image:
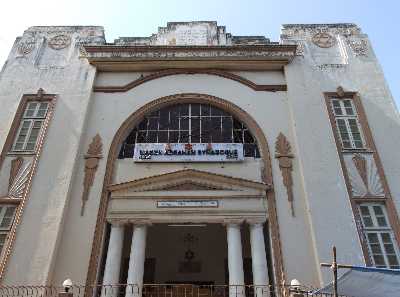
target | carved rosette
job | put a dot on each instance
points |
(92, 157)
(19, 174)
(284, 156)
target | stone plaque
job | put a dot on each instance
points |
(188, 33)
(191, 35)
(188, 152)
(186, 203)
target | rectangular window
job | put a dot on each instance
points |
(31, 123)
(7, 213)
(382, 246)
(347, 124)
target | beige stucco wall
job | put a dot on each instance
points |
(308, 77)
(62, 73)
(54, 241)
(108, 111)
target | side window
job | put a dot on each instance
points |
(30, 126)
(347, 124)
(379, 235)
(7, 213)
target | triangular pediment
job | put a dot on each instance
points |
(191, 186)
(189, 180)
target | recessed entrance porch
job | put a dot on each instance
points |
(191, 259)
(187, 228)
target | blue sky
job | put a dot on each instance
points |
(379, 19)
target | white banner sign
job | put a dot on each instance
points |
(188, 152)
(187, 203)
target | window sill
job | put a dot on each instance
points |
(16, 153)
(7, 200)
(369, 199)
(357, 150)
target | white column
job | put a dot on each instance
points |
(113, 261)
(235, 260)
(136, 261)
(259, 260)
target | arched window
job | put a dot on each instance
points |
(190, 123)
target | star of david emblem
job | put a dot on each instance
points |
(59, 42)
(323, 39)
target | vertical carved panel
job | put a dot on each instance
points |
(361, 165)
(93, 155)
(284, 156)
(17, 186)
(15, 167)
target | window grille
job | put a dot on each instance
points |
(347, 124)
(190, 123)
(30, 126)
(379, 236)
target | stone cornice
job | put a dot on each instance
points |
(296, 31)
(331, 25)
(243, 57)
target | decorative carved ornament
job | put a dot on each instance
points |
(300, 49)
(361, 164)
(82, 51)
(93, 155)
(26, 47)
(305, 30)
(59, 42)
(40, 93)
(323, 39)
(340, 91)
(284, 156)
(364, 176)
(204, 52)
(19, 174)
(359, 46)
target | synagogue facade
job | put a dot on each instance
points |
(195, 156)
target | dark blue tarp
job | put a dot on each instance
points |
(367, 282)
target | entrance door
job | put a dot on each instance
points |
(189, 260)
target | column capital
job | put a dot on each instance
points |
(118, 222)
(255, 221)
(232, 222)
(140, 222)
